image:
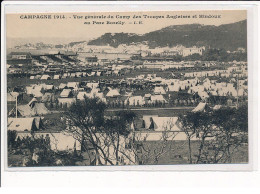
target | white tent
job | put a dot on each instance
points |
(147, 121)
(65, 93)
(157, 98)
(67, 101)
(11, 97)
(62, 85)
(217, 107)
(74, 85)
(36, 93)
(136, 100)
(45, 77)
(56, 77)
(201, 107)
(159, 90)
(165, 124)
(82, 95)
(92, 85)
(30, 110)
(21, 124)
(113, 93)
(173, 88)
(203, 95)
(32, 102)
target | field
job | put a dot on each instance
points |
(51, 121)
(162, 112)
(177, 153)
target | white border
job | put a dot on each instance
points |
(14, 7)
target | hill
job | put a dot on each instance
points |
(227, 36)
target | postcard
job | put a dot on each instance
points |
(127, 88)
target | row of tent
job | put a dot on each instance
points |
(67, 75)
(33, 108)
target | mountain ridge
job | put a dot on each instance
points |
(227, 36)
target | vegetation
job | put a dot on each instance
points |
(186, 35)
(36, 151)
(103, 137)
(219, 133)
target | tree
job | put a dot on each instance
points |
(86, 122)
(219, 133)
(230, 132)
(150, 152)
(192, 124)
(11, 136)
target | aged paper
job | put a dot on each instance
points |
(127, 88)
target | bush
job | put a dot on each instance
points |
(11, 136)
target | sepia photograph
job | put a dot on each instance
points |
(126, 88)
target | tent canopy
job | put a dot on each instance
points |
(200, 108)
(22, 124)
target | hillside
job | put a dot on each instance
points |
(228, 36)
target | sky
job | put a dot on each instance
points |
(70, 29)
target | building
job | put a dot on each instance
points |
(19, 58)
(91, 59)
(190, 51)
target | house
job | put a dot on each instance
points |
(23, 58)
(190, 51)
(91, 59)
